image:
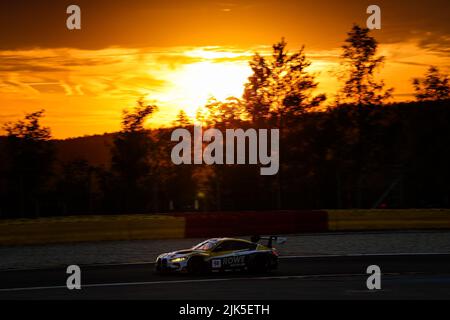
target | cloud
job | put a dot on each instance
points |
(23, 67)
(144, 23)
(436, 43)
(93, 86)
(411, 63)
(55, 87)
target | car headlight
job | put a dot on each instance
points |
(178, 259)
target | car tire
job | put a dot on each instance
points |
(195, 265)
(159, 269)
(259, 264)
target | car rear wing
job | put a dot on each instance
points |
(278, 239)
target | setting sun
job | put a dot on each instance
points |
(193, 84)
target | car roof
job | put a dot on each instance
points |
(228, 239)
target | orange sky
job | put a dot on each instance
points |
(176, 54)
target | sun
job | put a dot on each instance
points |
(194, 84)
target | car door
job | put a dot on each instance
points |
(230, 254)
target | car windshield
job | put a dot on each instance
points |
(205, 245)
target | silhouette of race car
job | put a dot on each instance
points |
(222, 254)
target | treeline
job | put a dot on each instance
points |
(358, 152)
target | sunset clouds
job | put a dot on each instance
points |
(178, 53)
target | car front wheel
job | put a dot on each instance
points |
(196, 265)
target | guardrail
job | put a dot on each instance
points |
(97, 228)
(250, 223)
(354, 220)
(214, 224)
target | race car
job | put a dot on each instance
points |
(222, 254)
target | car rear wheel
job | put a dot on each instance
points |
(259, 264)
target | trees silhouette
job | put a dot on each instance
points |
(360, 61)
(133, 121)
(280, 89)
(182, 120)
(29, 128)
(254, 89)
(75, 187)
(225, 114)
(434, 87)
(131, 153)
(290, 91)
(346, 156)
(279, 92)
(31, 157)
(360, 89)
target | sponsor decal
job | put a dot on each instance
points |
(216, 263)
(233, 261)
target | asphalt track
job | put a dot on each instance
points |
(425, 276)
